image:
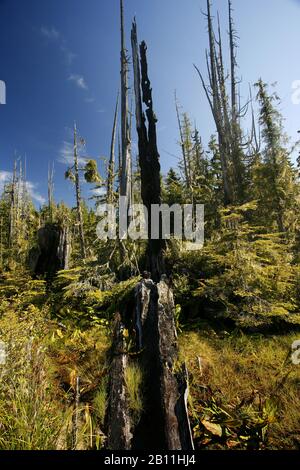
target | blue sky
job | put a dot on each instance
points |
(60, 62)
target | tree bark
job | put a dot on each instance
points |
(164, 424)
(148, 152)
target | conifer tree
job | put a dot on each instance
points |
(274, 177)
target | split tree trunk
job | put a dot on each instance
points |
(148, 152)
(164, 422)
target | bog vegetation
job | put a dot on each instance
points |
(237, 299)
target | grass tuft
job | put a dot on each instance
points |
(134, 381)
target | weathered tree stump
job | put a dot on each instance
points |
(52, 251)
(164, 423)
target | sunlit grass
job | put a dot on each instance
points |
(253, 371)
(100, 402)
(134, 381)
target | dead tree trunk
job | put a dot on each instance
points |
(149, 316)
(12, 210)
(217, 106)
(156, 329)
(164, 423)
(125, 183)
(64, 248)
(111, 165)
(185, 164)
(215, 101)
(148, 152)
(225, 112)
(50, 191)
(52, 252)
(24, 202)
(232, 64)
(235, 114)
(177, 430)
(119, 164)
(78, 197)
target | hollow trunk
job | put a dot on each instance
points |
(164, 422)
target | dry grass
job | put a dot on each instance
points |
(250, 374)
(100, 402)
(37, 381)
(31, 416)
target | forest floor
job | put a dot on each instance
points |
(244, 389)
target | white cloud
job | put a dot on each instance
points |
(50, 33)
(53, 35)
(5, 177)
(89, 100)
(98, 191)
(69, 55)
(79, 80)
(69, 132)
(36, 196)
(66, 155)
